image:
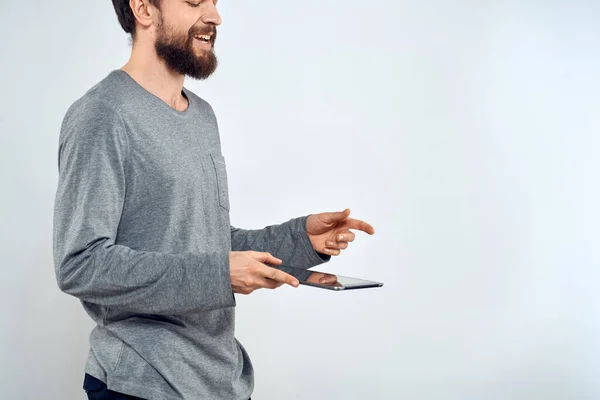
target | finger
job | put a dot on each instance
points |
(331, 252)
(328, 279)
(336, 245)
(345, 236)
(269, 283)
(335, 216)
(360, 225)
(266, 258)
(279, 276)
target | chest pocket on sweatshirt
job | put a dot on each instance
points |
(221, 171)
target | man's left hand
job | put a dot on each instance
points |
(330, 233)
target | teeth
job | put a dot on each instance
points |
(204, 37)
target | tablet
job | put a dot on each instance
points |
(325, 280)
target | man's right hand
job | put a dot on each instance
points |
(248, 272)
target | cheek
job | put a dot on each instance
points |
(193, 24)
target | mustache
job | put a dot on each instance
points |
(207, 30)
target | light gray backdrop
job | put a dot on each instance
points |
(466, 132)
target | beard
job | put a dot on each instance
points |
(177, 50)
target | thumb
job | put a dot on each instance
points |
(336, 216)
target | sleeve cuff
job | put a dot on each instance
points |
(301, 236)
(228, 295)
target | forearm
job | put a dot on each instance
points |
(287, 241)
(146, 282)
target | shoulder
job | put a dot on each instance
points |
(92, 122)
(97, 108)
(105, 98)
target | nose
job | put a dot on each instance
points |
(211, 16)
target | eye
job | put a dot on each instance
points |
(193, 4)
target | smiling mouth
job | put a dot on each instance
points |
(203, 38)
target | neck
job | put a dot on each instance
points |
(151, 72)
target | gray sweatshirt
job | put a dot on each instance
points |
(142, 237)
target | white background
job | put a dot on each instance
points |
(465, 132)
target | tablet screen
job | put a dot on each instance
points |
(326, 280)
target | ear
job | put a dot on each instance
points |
(143, 12)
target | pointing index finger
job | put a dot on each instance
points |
(361, 226)
(279, 276)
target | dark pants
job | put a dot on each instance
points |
(97, 390)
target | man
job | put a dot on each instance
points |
(141, 226)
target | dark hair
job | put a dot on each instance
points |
(125, 14)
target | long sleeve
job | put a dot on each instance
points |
(89, 262)
(288, 241)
